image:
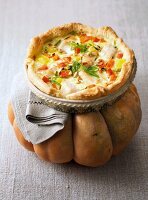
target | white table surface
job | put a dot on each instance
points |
(22, 175)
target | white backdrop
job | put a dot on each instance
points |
(22, 174)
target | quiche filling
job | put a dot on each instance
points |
(77, 61)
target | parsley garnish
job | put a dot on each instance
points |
(75, 67)
(91, 70)
(56, 79)
(83, 47)
(53, 80)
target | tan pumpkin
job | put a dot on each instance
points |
(92, 138)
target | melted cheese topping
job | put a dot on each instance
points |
(72, 63)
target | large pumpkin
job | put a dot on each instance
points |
(92, 138)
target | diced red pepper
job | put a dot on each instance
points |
(54, 86)
(64, 73)
(109, 72)
(110, 63)
(119, 55)
(84, 38)
(62, 64)
(101, 63)
(85, 63)
(95, 39)
(112, 77)
(55, 57)
(45, 79)
(67, 59)
(77, 50)
(43, 67)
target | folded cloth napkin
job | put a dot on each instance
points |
(37, 121)
(39, 113)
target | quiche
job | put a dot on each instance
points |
(78, 62)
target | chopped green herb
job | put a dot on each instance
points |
(45, 49)
(73, 44)
(91, 70)
(67, 37)
(83, 47)
(57, 43)
(56, 73)
(56, 79)
(97, 48)
(73, 33)
(75, 67)
(90, 43)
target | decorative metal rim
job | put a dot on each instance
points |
(81, 106)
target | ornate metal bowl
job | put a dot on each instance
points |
(82, 106)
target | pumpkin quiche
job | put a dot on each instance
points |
(78, 62)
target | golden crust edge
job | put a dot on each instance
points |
(87, 94)
(37, 42)
(37, 81)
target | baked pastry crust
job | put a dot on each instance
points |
(94, 91)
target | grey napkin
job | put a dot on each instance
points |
(37, 121)
(40, 114)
